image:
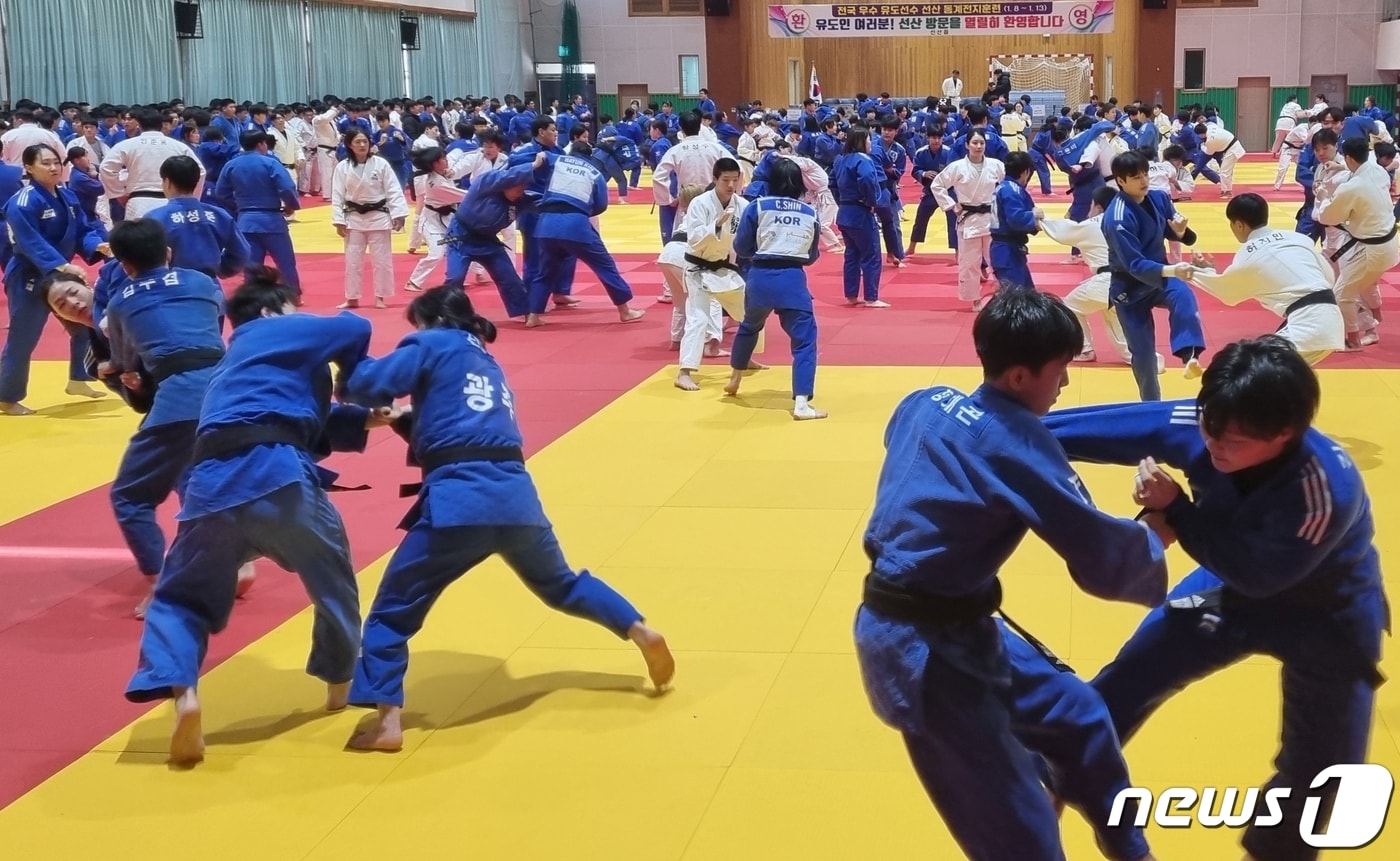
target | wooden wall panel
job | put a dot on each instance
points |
(903, 66)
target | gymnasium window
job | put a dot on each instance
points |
(665, 8)
(690, 74)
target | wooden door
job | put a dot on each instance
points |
(626, 93)
(1334, 87)
(1253, 124)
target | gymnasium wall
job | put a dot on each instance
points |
(1288, 41)
(745, 63)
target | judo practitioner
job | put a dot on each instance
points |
(254, 489)
(974, 180)
(778, 235)
(1217, 142)
(201, 237)
(1280, 522)
(965, 477)
(367, 208)
(1361, 206)
(1091, 295)
(262, 191)
(577, 191)
(46, 228)
(1284, 272)
(1135, 225)
(1015, 218)
(438, 198)
(465, 437)
(860, 192)
(473, 236)
(712, 276)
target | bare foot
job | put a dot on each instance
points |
(385, 735)
(714, 351)
(629, 315)
(381, 304)
(757, 366)
(1086, 356)
(140, 611)
(246, 575)
(732, 387)
(337, 696)
(187, 742)
(13, 408)
(563, 301)
(1193, 369)
(853, 301)
(686, 383)
(533, 321)
(82, 389)
(807, 414)
(876, 303)
(675, 346)
(661, 666)
(347, 304)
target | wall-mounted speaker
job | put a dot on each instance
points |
(717, 8)
(187, 21)
(408, 32)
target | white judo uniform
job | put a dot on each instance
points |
(437, 197)
(690, 162)
(819, 197)
(1220, 140)
(976, 185)
(1361, 206)
(132, 169)
(352, 185)
(718, 280)
(1284, 272)
(1091, 296)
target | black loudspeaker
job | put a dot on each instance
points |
(1155, 4)
(187, 23)
(717, 8)
(408, 32)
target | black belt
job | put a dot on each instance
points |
(150, 195)
(710, 265)
(778, 263)
(976, 208)
(679, 236)
(259, 209)
(903, 605)
(326, 148)
(289, 166)
(444, 211)
(1234, 140)
(453, 454)
(225, 441)
(1353, 240)
(1316, 297)
(855, 203)
(1103, 270)
(185, 360)
(1007, 239)
(558, 207)
(366, 208)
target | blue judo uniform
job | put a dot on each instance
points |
(778, 237)
(261, 188)
(202, 237)
(46, 231)
(527, 211)
(1013, 222)
(1288, 569)
(1135, 233)
(927, 164)
(859, 193)
(965, 477)
(254, 489)
(577, 191)
(476, 500)
(472, 235)
(164, 324)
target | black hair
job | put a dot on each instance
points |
(1024, 328)
(1252, 209)
(1356, 149)
(34, 151)
(52, 280)
(424, 159)
(1018, 164)
(182, 171)
(349, 138)
(539, 124)
(1129, 164)
(140, 243)
(250, 140)
(856, 138)
(1261, 386)
(581, 148)
(1103, 195)
(725, 165)
(690, 123)
(1325, 137)
(448, 307)
(785, 179)
(262, 290)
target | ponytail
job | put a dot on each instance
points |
(262, 290)
(449, 307)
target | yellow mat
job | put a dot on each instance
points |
(529, 733)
